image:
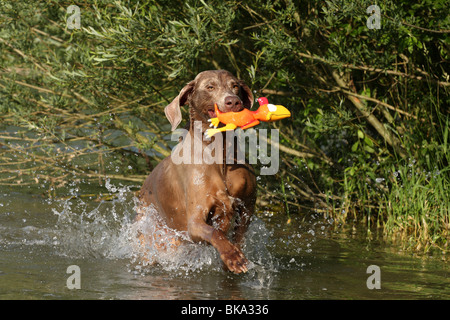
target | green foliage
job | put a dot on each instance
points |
(80, 105)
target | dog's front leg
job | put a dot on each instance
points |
(200, 230)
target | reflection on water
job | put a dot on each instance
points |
(39, 239)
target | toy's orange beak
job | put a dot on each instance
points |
(277, 112)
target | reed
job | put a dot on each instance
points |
(418, 205)
(417, 209)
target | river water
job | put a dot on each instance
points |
(307, 259)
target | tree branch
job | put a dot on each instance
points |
(372, 69)
(388, 137)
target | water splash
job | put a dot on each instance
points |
(108, 229)
(156, 244)
(88, 229)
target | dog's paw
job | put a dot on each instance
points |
(234, 260)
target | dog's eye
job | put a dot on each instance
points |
(236, 87)
(210, 87)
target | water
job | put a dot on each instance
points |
(307, 259)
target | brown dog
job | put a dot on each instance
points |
(204, 199)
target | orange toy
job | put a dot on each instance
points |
(246, 118)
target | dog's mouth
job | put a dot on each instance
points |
(212, 113)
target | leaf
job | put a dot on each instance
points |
(99, 59)
(368, 141)
(369, 149)
(178, 24)
(360, 134)
(109, 55)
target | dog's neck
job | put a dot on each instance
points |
(226, 145)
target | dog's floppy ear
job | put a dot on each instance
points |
(247, 95)
(172, 110)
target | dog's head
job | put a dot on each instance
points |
(208, 88)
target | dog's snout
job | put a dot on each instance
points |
(233, 103)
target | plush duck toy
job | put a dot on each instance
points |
(246, 118)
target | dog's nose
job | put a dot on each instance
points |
(233, 103)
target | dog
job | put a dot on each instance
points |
(206, 200)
